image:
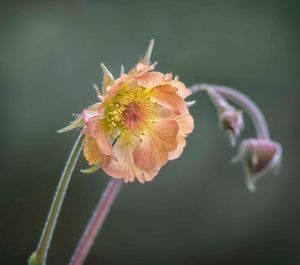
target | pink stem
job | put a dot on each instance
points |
(96, 222)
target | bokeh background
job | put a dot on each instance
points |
(198, 210)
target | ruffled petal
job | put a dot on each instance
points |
(185, 123)
(115, 88)
(186, 126)
(141, 68)
(181, 143)
(103, 138)
(183, 91)
(150, 80)
(92, 120)
(125, 167)
(92, 152)
(167, 96)
(153, 151)
(99, 130)
(90, 115)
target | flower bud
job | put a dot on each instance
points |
(231, 120)
(259, 156)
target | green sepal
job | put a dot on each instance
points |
(147, 56)
(77, 123)
(108, 78)
(90, 170)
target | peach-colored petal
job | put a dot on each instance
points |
(103, 139)
(185, 123)
(100, 110)
(92, 152)
(99, 130)
(167, 96)
(181, 143)
(163, 113)
(92, 122)
(125, 167)
(90, 114)
(115, 88)
(183, 91)
(153, 150)
(186, 126)
(141, 69)
(150, 80)
(168, 77)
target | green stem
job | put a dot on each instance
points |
(39, 256)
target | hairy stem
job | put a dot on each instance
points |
(244, 102)
(39, 256)
(95, 224)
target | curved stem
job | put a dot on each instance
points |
(243, 101)
(96, 222)
(39, 256)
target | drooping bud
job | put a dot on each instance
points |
(259, 156)
(230, 120)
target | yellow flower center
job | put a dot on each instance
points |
(130, 112)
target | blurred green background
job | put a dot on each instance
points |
(198, 210)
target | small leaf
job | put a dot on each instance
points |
(92, 169)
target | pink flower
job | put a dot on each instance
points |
(139, 124)
(259, 156)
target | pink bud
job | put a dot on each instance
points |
(232, 123)
(231, 120)
(259, 156)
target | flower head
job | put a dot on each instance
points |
(140, 122)
(259, 156)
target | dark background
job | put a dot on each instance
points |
(198, 210)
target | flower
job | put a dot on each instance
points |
(259, 156)
(139, 124)
(230, 119)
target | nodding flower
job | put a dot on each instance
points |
(259, 156)
(139, 123)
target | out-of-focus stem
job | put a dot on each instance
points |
(244, 102)
(39, 256)
(96, 222)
